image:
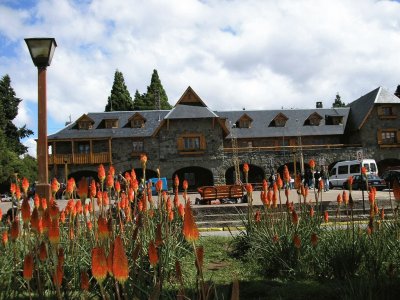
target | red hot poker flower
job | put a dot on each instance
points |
(25, 185)
(28, 267)
(176, 181)
(153, 255)
(246, 168)
(26, 211)
(120, 267)
(312, 164)
(55, 186)
(99, 264)
(190, 230)
(101, 173)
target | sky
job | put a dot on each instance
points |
(235, 53)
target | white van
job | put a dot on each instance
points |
(342, 170)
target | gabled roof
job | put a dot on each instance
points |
(153, 119)
(85, 117)
(294, 125)
(190, 106)
(245, 117)
(362, 107)
(280, 116)
(137, 116)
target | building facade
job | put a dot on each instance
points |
(208, 147)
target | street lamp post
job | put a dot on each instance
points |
(41, 51)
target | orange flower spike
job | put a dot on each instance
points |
(171, 216)
(1, 214)
(263, 198)
(106, 200)
(249, 188)
(143, 160)
(371, 198)
(117, 187)
(18, 193)
(28, 267)
(54, 232)
(326, 217)
(185, 185)
(286, 175)
(92, 189)
(111, 171)
(14, 229)
(109, 181)
(181, 210)
(84, 281)
(25, 211)
(168, 204)
(257, 216)
(140, 205)
(101, 173)
(321, 185)
(42, 252)
(295, 218)
(89, 225)
(35, 219)
(376, 209)
(58, 275)
(99, 198)
(120, 261)
(4, 238)
(312, 212)
(265, 186)
(36, 201)
(13, 188)
(297, 181)
(99, 264)
(296, 241)
(345, 198)
(46, 220)
(190, 230)
(153, 255)
(314, 239)
(54, 211)
(364, 171)
(350, 180)
(78, 206)
(83, 189)
(55, 186)
(246, 168)
(312, 164)
(279, 181)
(25, 185)
(133, 175)
(270, 194)
(102, 228)
(71, 185)
(176, 181)
(339, 199)
(128, 178)
(274, 199)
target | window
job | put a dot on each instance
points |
(333, 172)
(389, 137)
(191, 143)
(387, 111)
(83, 148)
(343, 169)
(85, 125)
(355, 168)
(137, 123)
(137, 146)
(111, 123)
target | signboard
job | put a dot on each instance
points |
(360, 155)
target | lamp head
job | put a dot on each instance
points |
(41, 50)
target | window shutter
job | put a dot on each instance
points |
(180, 143)
(379, 136)
(202, 142)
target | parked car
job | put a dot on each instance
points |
(390, 176)
(5, 198)
(360, 184)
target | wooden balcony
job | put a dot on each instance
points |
(79, 159)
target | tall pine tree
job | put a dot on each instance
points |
(338, 102)
(120, 99)
(155, 92)
(9, 111)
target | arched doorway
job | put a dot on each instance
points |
(89, 175)
(256, 174)
(195, 176)
(389, 163)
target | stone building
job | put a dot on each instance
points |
(208, 147)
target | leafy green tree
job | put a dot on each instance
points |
(155, 92)
(338, 102)
(8, 112)
(120, 98)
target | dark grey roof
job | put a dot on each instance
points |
(361, 107)
(294, 125)
(183, 111)
(153, 120)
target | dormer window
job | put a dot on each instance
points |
(313, 120)
(137, 121)
(84, 123)
(333, 120)
(111, 123)
(278, 121)
(244, 122)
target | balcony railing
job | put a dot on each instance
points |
(293, 148)
(79, 159)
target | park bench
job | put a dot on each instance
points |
(223, 193)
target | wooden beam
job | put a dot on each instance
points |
(109, 151)
(91, 151)
(73, 154)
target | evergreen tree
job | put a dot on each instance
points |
(120, 99)
(338, 102)
(138, 101)
(8, 112)
(155, 91)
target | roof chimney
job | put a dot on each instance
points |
(397, 92)
(318, 104)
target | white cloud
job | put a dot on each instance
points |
(257, 54)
